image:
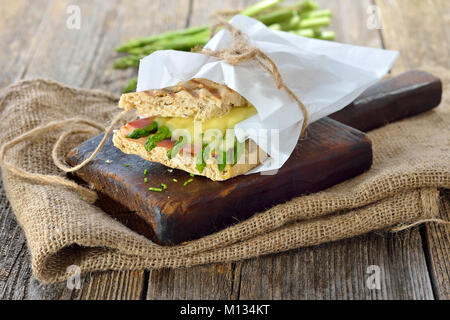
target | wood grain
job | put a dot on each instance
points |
(350, 22)
(114, 285)
(437, 242)
(20, 22)
(210, 282)
(15, 267)
(419, 29)
(17, 18)
(340, 271)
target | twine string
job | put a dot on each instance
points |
(418, 222)
(241, 51)
(86, 193)
(63, 136)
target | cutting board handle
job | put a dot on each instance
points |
(390, 100)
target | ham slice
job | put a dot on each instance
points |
(140, 123)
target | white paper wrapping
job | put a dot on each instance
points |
(326, 76)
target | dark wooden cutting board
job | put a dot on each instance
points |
(333, 152)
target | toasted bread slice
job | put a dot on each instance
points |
(184, 161)
(198, 98)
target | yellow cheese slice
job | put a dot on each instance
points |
(228, 121)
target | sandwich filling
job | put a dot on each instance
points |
(211, 138)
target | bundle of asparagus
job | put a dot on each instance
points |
(304, 19)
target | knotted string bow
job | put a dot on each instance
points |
(241, 51)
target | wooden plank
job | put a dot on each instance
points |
(209, 282)
(437, 242)
(67, 55)
(114, 285)
(21, 18)
(340, 271)
(419, 30)
(84, 58)
(20, 21)
(350, 22)
(15, 267)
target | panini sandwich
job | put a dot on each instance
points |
(190, 127)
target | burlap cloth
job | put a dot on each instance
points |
(411, 161)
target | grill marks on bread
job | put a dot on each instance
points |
(198, 98)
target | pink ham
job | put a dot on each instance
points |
(140, 123)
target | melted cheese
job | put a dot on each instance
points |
(228, 121)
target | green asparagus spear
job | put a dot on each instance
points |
(307, 5)
(176, 147)
(239, 148)
(128, 61)
(276, 16)
(131, 86)
(309, 33)
(185, 44)
(166, 35)
(314, 23)
(276, 26)
(260, 7)
(143, 132)
(316, 14)
(291, 24)
(162, 133)
(326, 35)
(222, 164)
(201, 158)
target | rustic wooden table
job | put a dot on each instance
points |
(36, 42)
